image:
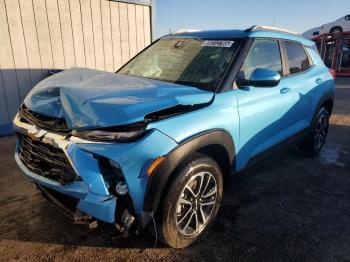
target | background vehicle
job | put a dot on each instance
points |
(313, 32)
(340, 25)
(154, 142)
(335, 51)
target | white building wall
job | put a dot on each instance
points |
(41, 35)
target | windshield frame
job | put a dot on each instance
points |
(221, 81)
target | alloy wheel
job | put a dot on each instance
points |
(321, 131)
(196, 203)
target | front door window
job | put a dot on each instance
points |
(263, 54)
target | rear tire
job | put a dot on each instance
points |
(191, 201)
(317, 138)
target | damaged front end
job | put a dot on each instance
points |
(84, 138)
(88, 180)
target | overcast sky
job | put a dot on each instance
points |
(296, 15)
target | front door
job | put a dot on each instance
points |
(263, 111)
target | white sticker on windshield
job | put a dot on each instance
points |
(218, 43)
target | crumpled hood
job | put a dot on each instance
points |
(89, 98)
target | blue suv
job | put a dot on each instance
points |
(151, 144)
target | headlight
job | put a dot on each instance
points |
(111, 134)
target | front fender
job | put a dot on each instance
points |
(134, 159)
(158, 179)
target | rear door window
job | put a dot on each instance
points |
(298, 61)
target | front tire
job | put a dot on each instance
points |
(336, 29)
(191, 202)
(317, 138)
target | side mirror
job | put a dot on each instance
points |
(261, 77)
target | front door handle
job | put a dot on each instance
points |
(284, 90)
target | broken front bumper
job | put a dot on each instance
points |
(91, 189)
(100, 206)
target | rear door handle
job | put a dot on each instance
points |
(284, 90)
(319, 80)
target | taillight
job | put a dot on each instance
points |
(333, 73)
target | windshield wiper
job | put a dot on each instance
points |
(205, 87)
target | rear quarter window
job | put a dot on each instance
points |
(297, 59)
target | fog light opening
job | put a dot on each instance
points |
(121, 188)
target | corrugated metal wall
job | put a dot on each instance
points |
(41, 35)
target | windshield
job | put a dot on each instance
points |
(189, 61)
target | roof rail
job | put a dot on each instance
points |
(270, 28)
(184, 30)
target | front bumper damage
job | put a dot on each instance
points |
(93, 194)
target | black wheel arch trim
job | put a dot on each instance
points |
(329, 96)
(159, 178)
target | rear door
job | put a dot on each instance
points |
(305, 83)
(263, 112)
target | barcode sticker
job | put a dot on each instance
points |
(218, 43)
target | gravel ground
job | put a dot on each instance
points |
(291, 208)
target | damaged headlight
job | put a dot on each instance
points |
(118, 134)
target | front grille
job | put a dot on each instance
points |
(45, 160)
(56, 125)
